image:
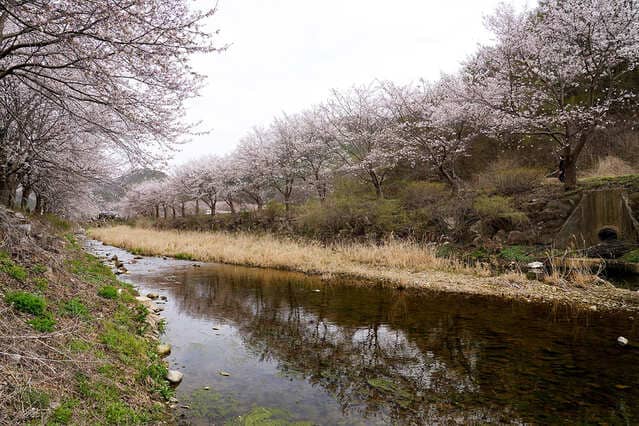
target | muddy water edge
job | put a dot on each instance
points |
(259, 345)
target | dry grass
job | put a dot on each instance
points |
(272, 252)
(610, 166)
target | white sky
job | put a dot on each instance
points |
(286, 55)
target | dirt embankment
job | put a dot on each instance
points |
(398, 264)
(75, 345)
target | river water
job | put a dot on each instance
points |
(267, 347)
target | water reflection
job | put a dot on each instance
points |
(348, 354)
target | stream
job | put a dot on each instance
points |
(259, 346)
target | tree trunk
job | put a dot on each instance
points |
(157, 211)
(38, 206)
(570, 173)
(182, 209)
(164, 211)
(377, 183)
(173, 211)
(197, 207)
(8, 186)
(450, 178)
(24, 200)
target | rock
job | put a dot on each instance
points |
(138, 257)
(119, 264)
(152, 295)
(114, 258)
(500, 236)
(164, 298)
(216, 328)
(207, 388)
(164, 349)
(518, 238)
(317, 290)
(195, 265)
(224, 373)
(535, 265)
(174, 377)
(622, 341)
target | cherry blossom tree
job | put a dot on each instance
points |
(363, 134)
(434, 124)
(560, 71)
(315, 149)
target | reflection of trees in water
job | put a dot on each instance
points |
(408, 358)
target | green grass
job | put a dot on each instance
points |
(183, 256)
(11, 268)
(38, 269)
(108, 292)
(627, 181)
(516, 254)
(75, 308)
(43, 324)
(35, 398)
(41, 283)
(632, 256)
(27, 302)
(90, 269)
(58, 223)
(63, 414)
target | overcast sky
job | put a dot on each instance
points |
(286, 55)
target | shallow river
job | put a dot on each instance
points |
(286, 348)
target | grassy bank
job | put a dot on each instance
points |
(396, 263)
(74, 343)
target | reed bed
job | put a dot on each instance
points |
(399, 263)
(269, 251)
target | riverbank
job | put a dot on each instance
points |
(396, 264)
(75, 345)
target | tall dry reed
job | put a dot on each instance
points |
(282, 253)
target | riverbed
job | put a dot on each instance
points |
(258, 345)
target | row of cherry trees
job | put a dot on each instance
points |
(84, 83)
(557, 73)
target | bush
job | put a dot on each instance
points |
(343, 216)
(108, 292)
(27, 302)
(508, 178)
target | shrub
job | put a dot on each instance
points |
(519, 254)
(417, 195)
(508, 178)
(27, 302)
(44, 324)
(108, 292)
(10, 268)
(344, 216)
(75, 308)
